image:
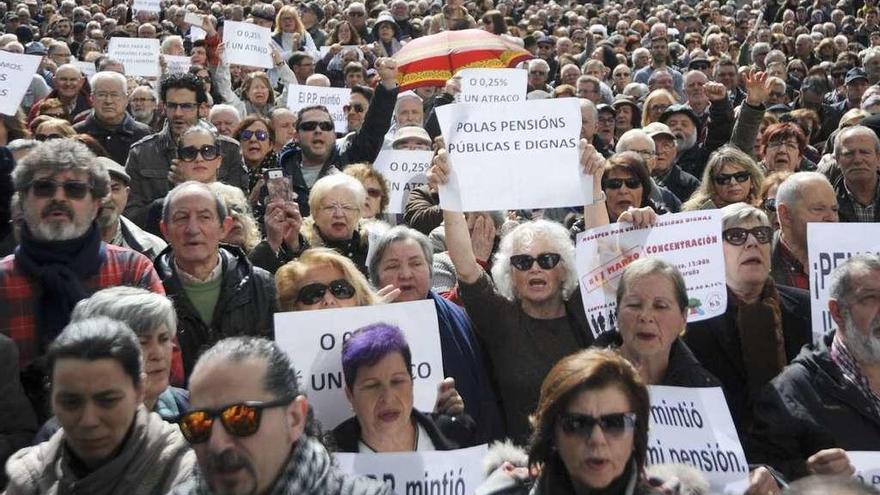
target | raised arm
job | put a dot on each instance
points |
(745, 128)
(592, 163)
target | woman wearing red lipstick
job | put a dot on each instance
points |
(376, 364)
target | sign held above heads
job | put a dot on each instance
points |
(16, 74)
(139, 56)
(335, 99)
(404, 170)
(492, 85)
(247, 44)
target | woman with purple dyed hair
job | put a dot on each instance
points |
(376, 364)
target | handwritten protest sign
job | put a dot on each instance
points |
(693, 426)
(450, 472)
(867, 466)
(177, 63)
(193, 19)
(16, 74)
(313, 339)
(139, 56)
(691, 241)
(247, 44)
(513, 156)
(196, 33)
(146, 6)
(829, 245)
(299, 96)
(492, 85)
(404, 170)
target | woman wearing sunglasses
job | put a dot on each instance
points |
(54, 129)
(731, 176)
(765, 325)
(627, 184)
(320, 279)
(256, 136)
(591, 427)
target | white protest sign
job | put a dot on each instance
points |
(193, 19)
(514, 156)
(300, 96)
(829, 245)
(691, 241)
(139, 56)
(247, 44)
(196, 33)
(404, 170)
(492, 85)
(16, 73)
(693, 426)
(146, 6)
(87, 68)
(177, 63)
(313, 339)
(451, 471)
(867, 466)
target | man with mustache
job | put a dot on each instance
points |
(279, 451)
(61, 258)
(857, 150)
(826, 402)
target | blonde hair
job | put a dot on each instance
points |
(647, 117)
(725, 155)
(291, 10)
(237, 206)
(288, 279)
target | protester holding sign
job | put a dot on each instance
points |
(652, 309)
(377, 364)
(256, 95)
(826, 401)
(764, 326)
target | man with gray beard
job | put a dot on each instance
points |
(827, 401)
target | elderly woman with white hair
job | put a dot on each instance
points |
(765, 325)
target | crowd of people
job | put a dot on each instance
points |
(153, 227)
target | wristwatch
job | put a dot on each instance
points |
(599, 198)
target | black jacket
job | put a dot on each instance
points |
(683, 369)
(363, 146)
(693, 161)
(440, 428)
(246, 304)
(810, 406)
(716, 344)
(117, 140)
(679, 183)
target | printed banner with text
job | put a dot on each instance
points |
(247, 44)
(693, 426)
(828, 245)
(313, 339)
(691, 241)
(513, 156)
(139, 56)
(16, 73)
(404, 170)
(335, 99)
(177, 63)
(451, 472)
(867, 466)
(492, 85)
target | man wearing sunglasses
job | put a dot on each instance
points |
(802, 198)
(317, 153)
(216, 291)
(264, 440)
(108, 121)
(149, 162)
(61, 257)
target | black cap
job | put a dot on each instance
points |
(680, 108)
(604, 107)
(855, 74)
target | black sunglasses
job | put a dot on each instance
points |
(312, 125)
(313, 293)
(48, 137)
(357, 107)
(738, 236)
(246, 134)
(240, 420)
(524, 262)
(611, 424)
(45, 188)
(769, 204)
(724, 179)
(189, 153)
(631, 183)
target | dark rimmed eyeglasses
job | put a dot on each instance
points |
(614, 425)
(313, 293)
(240, 420)
(189, 153)
(738, 236)
(524, 262)
(630, 183)
(724, 179)
(45, 188)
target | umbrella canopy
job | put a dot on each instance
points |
(432, 60)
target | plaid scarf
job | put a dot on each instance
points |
(308, 471)
(852, 373)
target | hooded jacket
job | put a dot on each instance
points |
(245, 306)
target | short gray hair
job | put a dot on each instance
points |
(789, 192)
(330, 182)
(399, 233)
(653, 266)
(109, 76)
(552, 232)
(56, 156)
(223, 107)
(848, 132)
(140, 309)
(737, 214)
(222, 211)
(623, 142)
(590, 106)
(841, 285)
